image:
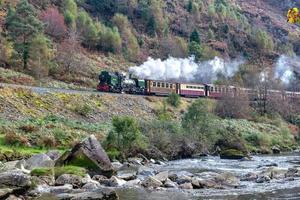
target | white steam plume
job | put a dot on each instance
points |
(286, 67)
(187, 70)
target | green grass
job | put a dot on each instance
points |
(42, 172)
(69, 169)
(19, 149)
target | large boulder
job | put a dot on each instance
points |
(90, 155)
(14, 179)
(275, 150)
(71, 179)
(39, 161)
(233, 154)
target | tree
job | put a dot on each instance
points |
(234, 106)
(109, 39)
(199, 122)
(6, 51)
(70, 13)
(41, 55)
(54, 23)
(23, 25)
(130, 45)
(87, 29)
(263, 41)
(68, 55)
(125, 135)
(195, 49)
(194, 37)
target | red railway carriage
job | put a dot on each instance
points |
(192, 90)
(162, 88)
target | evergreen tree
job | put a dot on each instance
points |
(190, 6)
(22, 25)
(194, 37)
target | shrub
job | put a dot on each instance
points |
(47, 141)
(12, 138)
(125, 136)
(29, 128)
(83, 109)
(174, 99)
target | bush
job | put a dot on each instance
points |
(125, 136)
(47, 141)
(83, 109)
(12, 138)
(174, 99)
(29, 128)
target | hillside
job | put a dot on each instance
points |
(77, 39)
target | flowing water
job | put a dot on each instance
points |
(276, 189)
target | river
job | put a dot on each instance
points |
(275, 189)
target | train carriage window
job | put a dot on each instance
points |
(211, 89)
(162, 84)
(158, 84)
(154, 84)
(171, 85)
(216, 89)
(167, 85)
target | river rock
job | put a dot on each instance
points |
(170, 184)
(43, 180)
(114, 182)
(71, 179)
(5, 192)
(91, 186)
(135, 161)
(39, 161)
(292, 172)
(251, 176)
(162, 176)
(133, 183)
(173, 176)
(186, 186)
(53, 154)
(275, 150)
(99, 178)
(152, 182)
(263, 179)
(196, 182)
(13, 197)
(61, 189)
(232, 154)
(127, 175)
(14, 179)
(146, 171)
(183, 179)
(90, 154)
(116, 165)
(227, 179)
(99, 194)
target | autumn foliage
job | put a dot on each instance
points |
(54, 23)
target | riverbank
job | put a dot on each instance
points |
(57, 176)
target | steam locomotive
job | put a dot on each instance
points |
(118, 83)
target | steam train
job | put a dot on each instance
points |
(118, 83)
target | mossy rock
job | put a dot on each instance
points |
(75, 170)
(232, 154)
(42, 172)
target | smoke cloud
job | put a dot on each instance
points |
(186, 70)
(286, 67)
